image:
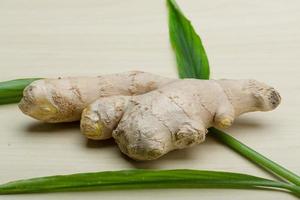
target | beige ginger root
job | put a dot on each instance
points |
(63, 99)
(147, 115)
(175, 116)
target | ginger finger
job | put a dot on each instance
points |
(101, 117)
(63, 99)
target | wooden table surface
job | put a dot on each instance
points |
(244, 39)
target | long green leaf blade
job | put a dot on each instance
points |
(142, 179)
(190, 54)
(255, 157)
(12, 91)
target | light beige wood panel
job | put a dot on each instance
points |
(244, 39)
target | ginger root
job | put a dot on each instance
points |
(147, 115)
(174, 116)
(63, 99)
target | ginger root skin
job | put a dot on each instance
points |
(175, 116)
(101, 117)
(63, 99)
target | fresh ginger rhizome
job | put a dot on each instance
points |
(146, 114)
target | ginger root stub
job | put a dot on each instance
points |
(174, 116)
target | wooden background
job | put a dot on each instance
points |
(244, 39)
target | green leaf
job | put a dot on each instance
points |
(191, 58)
(12, 91)
(143, 179)
(255, 157)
